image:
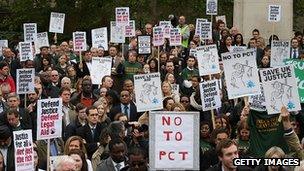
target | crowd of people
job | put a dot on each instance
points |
(102, 130)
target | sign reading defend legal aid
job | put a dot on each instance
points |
(174, 140)
(49, 118)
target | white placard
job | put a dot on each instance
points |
(166, 28)
(221, 17)
(79, 41)
(210, 95)
(241, 73)
(193, 52)
(100, 68)
(130, 29)
(238, 48)
(25, 81)
(3, 44)
(26, 51)
(175, 37)
(274, 13)
(117, 33)
(206, 30)
(42, 39)
(56, 22)
(280, 89)
(198, 25)
(122, 15)
(100, 38)
(280, 51)
(175, 88)
(144, 44)
(49, 118)
(148, 92)
(211, 7)
(208, 60)
(257, 102)
(174, 138)
(30, 32)
(158, 36)
(24, 153)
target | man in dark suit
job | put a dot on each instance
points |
(295, 50)
(90, 132)
(259, 52)
(83, 68)
(126, 106)
(117, 159)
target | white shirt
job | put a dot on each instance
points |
(89, 65)
(122, 165)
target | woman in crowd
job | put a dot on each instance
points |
(238, 40)
(167, 91)
(80, 160)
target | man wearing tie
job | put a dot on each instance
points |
(295, 51)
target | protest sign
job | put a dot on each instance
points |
(175, 88)
(49, 118)
(174, 138)
(238, 48)
(257, 102)
(274, 13)
(26, 51)
(198, 25)
(208, 60)
(117, 34)
(3, 44)
(299, 71)
(211, 7)
(280, 51)
(206, 30)
(148, 92)
(241, 73)
(30, 32)
(122, 15)
(210, 95)
(144, 45)
(221, 17)
(25, 80)
(42, 39)
(100, 38)
(100, 68)
(130, 29)
(79, 41)
(193, 52)
(175, 37)
(166, 28)
(280, 89)
(158, 36)
(56, 22)
(24, 153)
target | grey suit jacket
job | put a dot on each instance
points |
(106, 164)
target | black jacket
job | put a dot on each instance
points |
(117, 109)
(218, 167)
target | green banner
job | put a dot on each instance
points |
(299, 71)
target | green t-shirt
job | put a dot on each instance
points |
(131, 69)
(186, 74)
(265, 132)
(205, 146)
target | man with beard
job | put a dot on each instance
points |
(117, 159)
(32, 109)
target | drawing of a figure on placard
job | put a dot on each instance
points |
(241, 71)
(209, 60)
(147, 95)
(280, 53)
(279, 93)
(56, 25)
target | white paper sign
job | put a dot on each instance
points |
(206, 30)
(210, 95)
(158, 36)
(25, 81)
(3, 44)
(208, 60)
(100, 38)
(198, 25)
(49, 118)
(30, 32)
(238, 48)
(175, 88)
(175, 37)
(211, 7)
(130, 29)
(117, 33)
(280, 51)
(257, 102)
(26, 51)
(221, 17)
(148, 92)
(174, 138)
(144, 44)
(100, 68)
(79, 41)
(193, 52)
(24, 153)
(166, 28)
(274, 13)
(57, 22)
(122, 16)
(280, 89)
(42, 39)
(241, 73)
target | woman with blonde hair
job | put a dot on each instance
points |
(273, 152)
(74, 142)
(177, 107)
(167, 91)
